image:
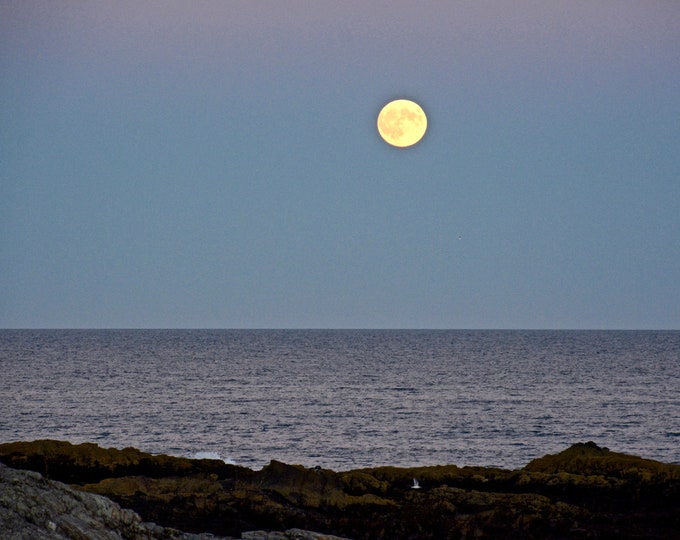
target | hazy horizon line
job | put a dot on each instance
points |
(322, 329)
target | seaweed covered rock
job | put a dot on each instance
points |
(88, 462)
(319, 488)
(280, 496)
(633, 494)
(446, 512)
(583, 492)
(589, 459)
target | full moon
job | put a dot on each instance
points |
(402, 123)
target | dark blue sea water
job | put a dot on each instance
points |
(345, 399)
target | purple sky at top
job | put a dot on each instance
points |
(216, 164)
(572, 38)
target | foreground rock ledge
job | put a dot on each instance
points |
(583, 492)
(33, 507)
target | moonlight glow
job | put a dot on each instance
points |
(402, 123)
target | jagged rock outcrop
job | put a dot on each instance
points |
(35, 508)
(584, 492)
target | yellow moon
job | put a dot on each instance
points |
(402, 123)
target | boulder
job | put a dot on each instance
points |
(35, 508)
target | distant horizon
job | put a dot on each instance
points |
(368, 329)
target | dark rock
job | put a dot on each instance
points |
(291, 534)
(584, 492)
(588, 459)
(34, 508)
(89, 463)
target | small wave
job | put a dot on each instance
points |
(212, 455)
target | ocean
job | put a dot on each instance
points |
(345, 399)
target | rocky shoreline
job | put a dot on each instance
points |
(583, 492)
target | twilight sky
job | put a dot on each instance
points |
(216, 164)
